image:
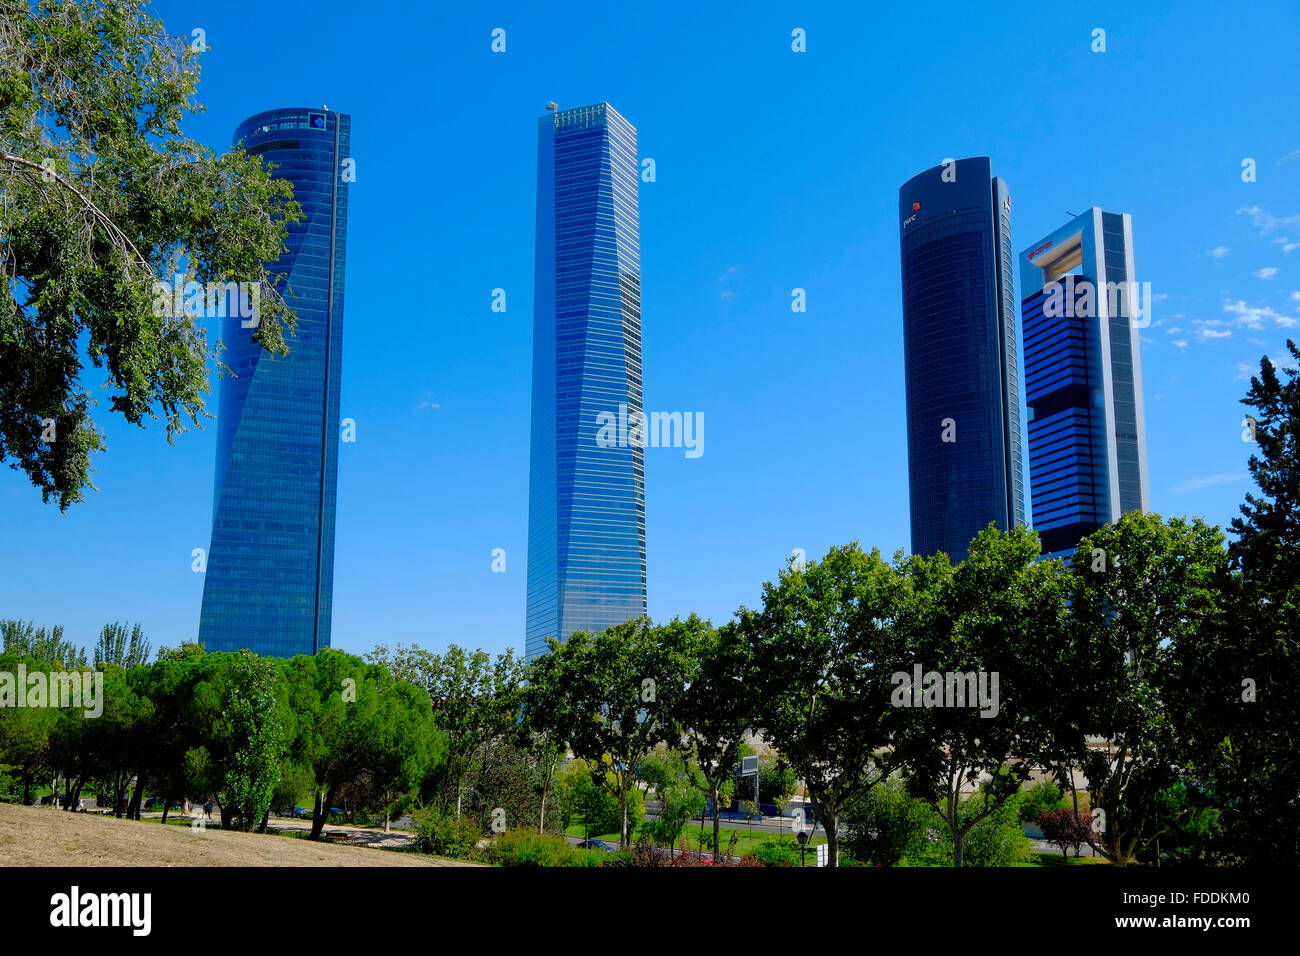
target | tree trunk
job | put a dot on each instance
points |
(717, 827)
(227, 815)
(266, 818)
(27, 787)
(623, 841)
(166, 806)
(133, 811)
(958, 846)
(318, 816)
(832, 840)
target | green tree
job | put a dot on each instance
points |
(355, 721)
(48, 648)
(251, 721)
(719, 705)
(25, 732)
(611, 696)
(119, 647)
(825, 644)
(1144, 591)
(475, 700)
(675, 783)
(103, 199)
(997, 623)
(1247, 673)
(885, 824)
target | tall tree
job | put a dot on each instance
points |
(715, 711)
(990, 642)
(1144, 591)
(50, 648)
(1246, 675)
(102, 201)
(825, 644)
(355, 721)
(611, 695)
(473, 696)
(119, 647)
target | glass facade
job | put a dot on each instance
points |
(586, 509)
(960, 348)
(270, 566)
(1083, 382)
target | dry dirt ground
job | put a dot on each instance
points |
(42, 836)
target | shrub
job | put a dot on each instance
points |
(885, 824)
(779, 852)
(444, 834)
(528, 848)
(1044, 795)
(997, 840)
(600, 811)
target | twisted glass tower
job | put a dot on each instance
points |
(586, 498)
(270, 567)
(960, 347)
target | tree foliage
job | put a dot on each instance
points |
(101, 197)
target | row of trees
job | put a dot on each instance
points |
(252, 732)
(1155, 673)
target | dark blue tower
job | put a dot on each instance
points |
(960, 345)
(270, 567)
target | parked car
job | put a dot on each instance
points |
(596, 845)
(301, 813)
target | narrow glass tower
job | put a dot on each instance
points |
(586, 507)
(270, 567)
(1083, 378)
(960, 339)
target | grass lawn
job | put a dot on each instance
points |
(746, 842)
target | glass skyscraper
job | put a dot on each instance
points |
(1083, 378)
(270, 567)
(960, 348)
(586, 499)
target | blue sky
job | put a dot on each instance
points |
(775, 170)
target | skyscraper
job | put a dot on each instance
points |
(270, 567)
(586, 499)
(960, 349)
(1083, 378)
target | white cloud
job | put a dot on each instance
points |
(1198, 483)
(1174, 331)
(1208, 334)
(1181, 343)
(1267, 272)
(1218, 252)
(1265, 221)
(1294, 154)
(1253, 317)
